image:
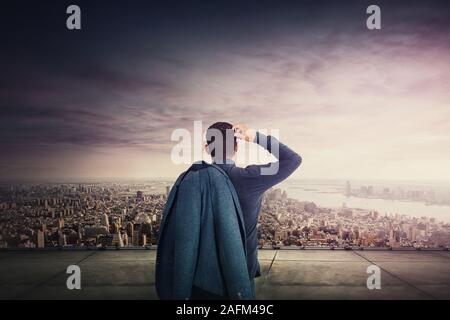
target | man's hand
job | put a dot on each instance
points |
(244, 132)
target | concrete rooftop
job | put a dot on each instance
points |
(287, 274)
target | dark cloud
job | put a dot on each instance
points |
(131, 75)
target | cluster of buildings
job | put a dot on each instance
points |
(428, 196)
(129, 215)
(92, 215)
(289, 222)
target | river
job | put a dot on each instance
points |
(329, 194)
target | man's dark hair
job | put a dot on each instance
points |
(224, 131)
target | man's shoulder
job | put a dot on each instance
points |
(251, 171)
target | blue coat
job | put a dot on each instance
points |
(202, 238)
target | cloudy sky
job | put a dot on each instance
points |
(103, 101)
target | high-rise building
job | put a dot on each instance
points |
(136, 238)
(62, 240)
(130, 229)
(413, 233)
(40, 239)
(167, 191)
(115, 227)
(348, 189)
(61, 223)
(104, 220)
(146, 228)
(139, 195)
(117, 240)
(125, 240)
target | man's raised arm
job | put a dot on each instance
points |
(273, 173)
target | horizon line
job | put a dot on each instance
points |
(162, 178)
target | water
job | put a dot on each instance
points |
(329, 194)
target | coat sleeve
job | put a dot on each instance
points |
(187, 234)
(230, 244)
(263, 177)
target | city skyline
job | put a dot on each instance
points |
(431, 183)
(103, 102)
(123, 215)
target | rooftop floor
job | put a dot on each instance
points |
(287, 274)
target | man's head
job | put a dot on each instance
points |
(221, 142)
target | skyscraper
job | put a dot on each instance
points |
(61, 223)
(117, 240)
(125, 240)
(136, 238)
(167, 190)
(115, 227)
(40, 239)
(104, 220)
(130, 229)
(62, 241)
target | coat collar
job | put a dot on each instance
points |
(228, 163)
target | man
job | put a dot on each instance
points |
(252, 181)
(202, 242)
